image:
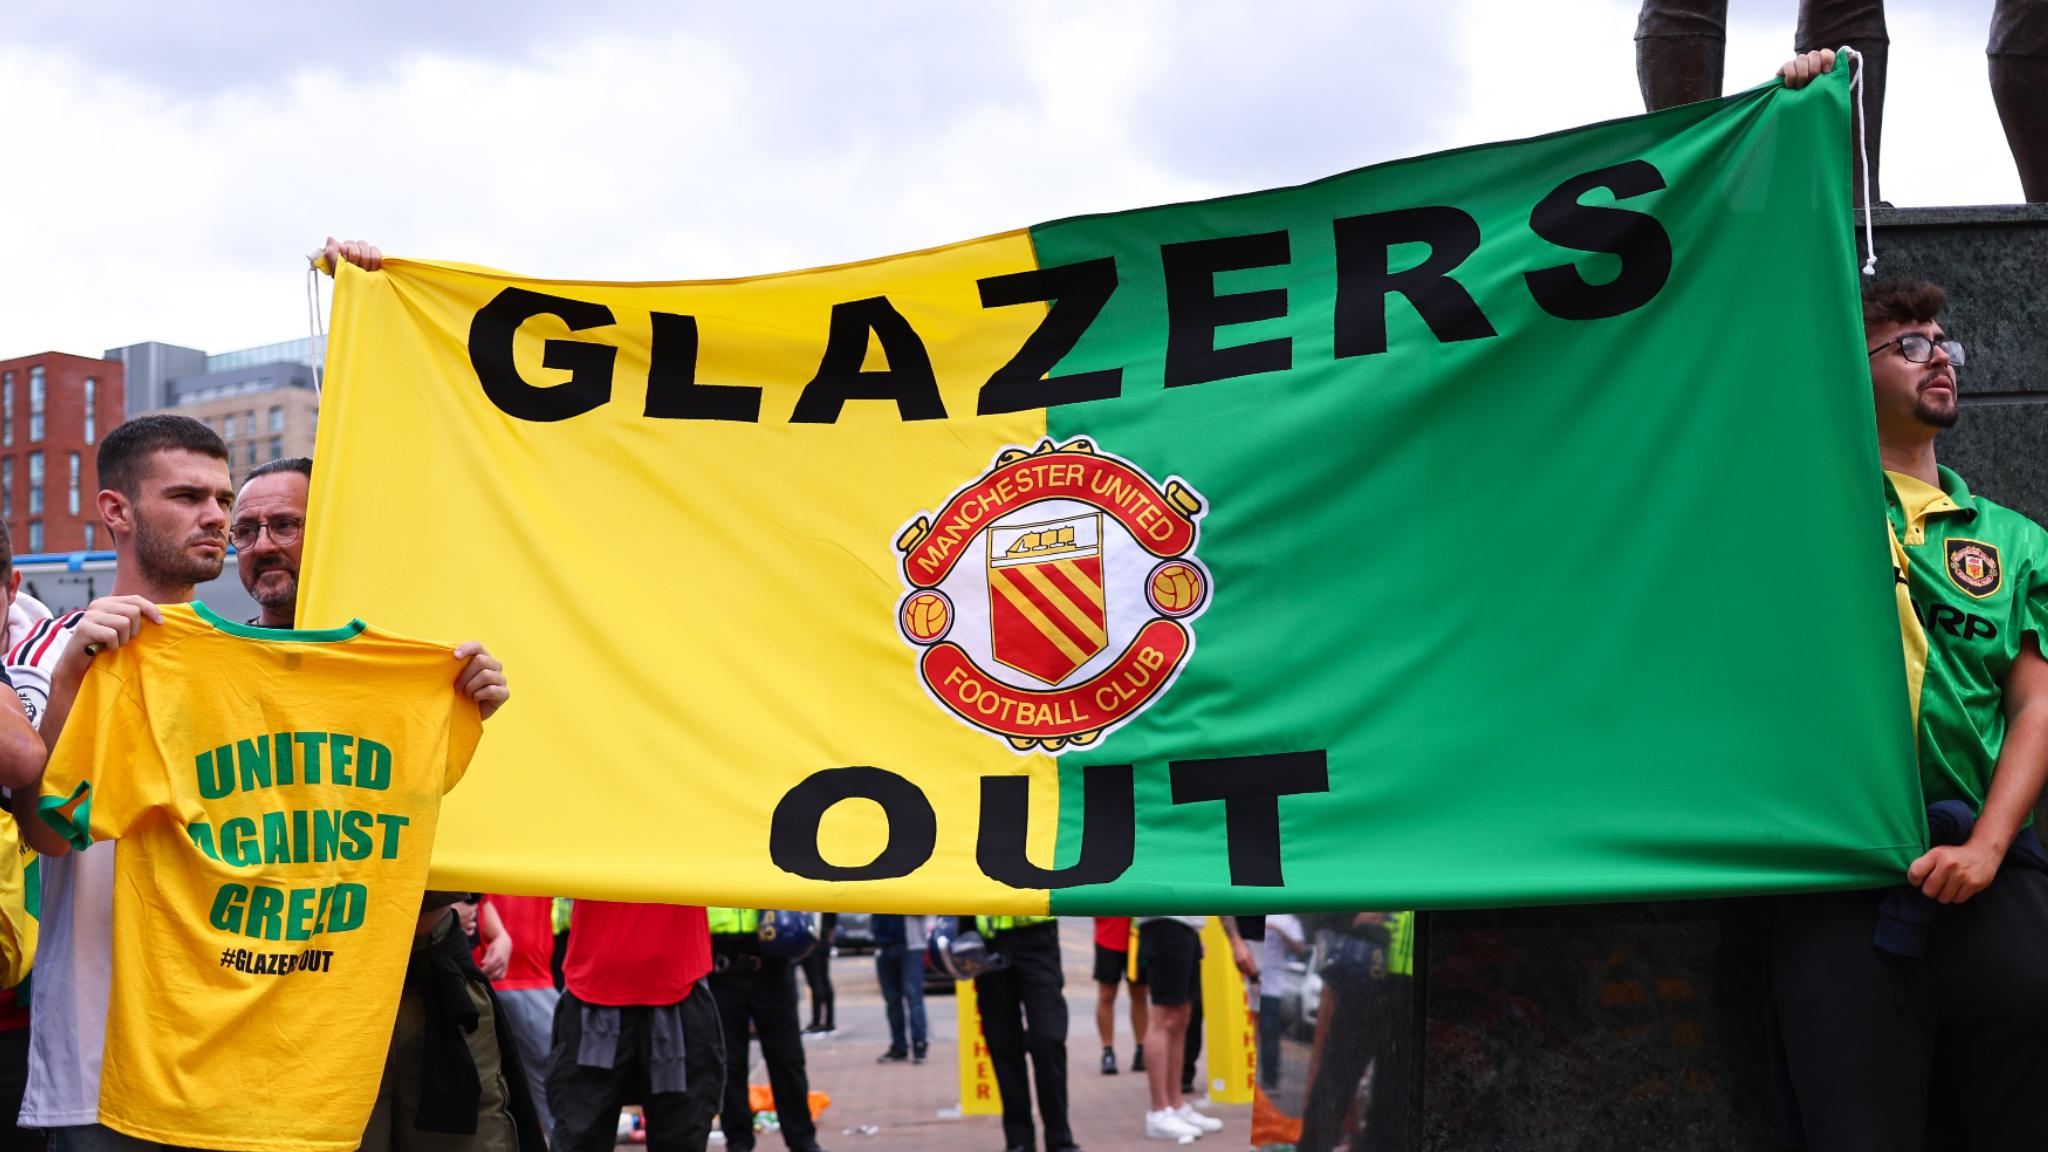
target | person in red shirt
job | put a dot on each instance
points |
(523, 927)
(636, 1020)
(1112, 967)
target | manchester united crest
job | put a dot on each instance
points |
(1973, 566)
(1053, 598)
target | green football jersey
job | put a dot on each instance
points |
(1978, 576)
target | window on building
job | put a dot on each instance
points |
(227, 429)
(276, 421)
(35, 404)
(71, 500)
(252, 454)
(35, 535)
(89, 535)
(92, 395)
(7, 488)
(35, 484)
(7, 409)
(277, 447)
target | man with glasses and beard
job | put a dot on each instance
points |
(1914, 1015)
(269, 524)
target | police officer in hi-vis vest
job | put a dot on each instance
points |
(1024, 1009)
(762, 989)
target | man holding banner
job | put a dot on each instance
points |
(1882, 997)
(1916, 1013)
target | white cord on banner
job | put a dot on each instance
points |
(313, 328)
(1856, 87)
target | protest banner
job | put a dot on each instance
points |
(1497, 526)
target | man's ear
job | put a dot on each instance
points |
(116, 512)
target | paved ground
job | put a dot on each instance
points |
(914, 1108)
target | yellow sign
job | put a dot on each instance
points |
(1231, 1035)
(978, 1095)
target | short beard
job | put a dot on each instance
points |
(282, 603)
(165, 563)
(1928, 413)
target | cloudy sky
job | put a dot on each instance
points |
(169, 162)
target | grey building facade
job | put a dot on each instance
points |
(164, 376)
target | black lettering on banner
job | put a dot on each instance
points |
(1077, 293)
(1109, 830)
(793, 831)
(1365, 277)
(1194, 309)
(589, 365)
(672, 389)
(908, 380)
(1250, 788)
(1636, 237)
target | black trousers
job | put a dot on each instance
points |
(818, 975)
(1024, 1009)
(1369, 1028)
(586, 1100)
(1872, 1042)
(766, 997)
(13, 1084)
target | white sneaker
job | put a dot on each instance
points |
(1166, 1125)
(1187, 1115)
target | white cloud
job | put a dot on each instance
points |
(148, 199)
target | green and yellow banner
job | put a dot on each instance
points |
(1491, 527)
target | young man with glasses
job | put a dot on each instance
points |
(1893, 1035)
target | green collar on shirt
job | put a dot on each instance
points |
(295, 635)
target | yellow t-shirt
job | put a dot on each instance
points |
(275, 794)
(18, 908)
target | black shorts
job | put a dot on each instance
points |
(1113, 965)
(1173, 960)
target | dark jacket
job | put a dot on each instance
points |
(888, 930)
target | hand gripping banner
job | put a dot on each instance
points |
(1491, 527)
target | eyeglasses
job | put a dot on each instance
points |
(284, 531)
(1918, 349)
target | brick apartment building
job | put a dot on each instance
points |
(54, 407)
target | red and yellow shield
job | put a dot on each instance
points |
(1042, 534)
(1047, 615)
